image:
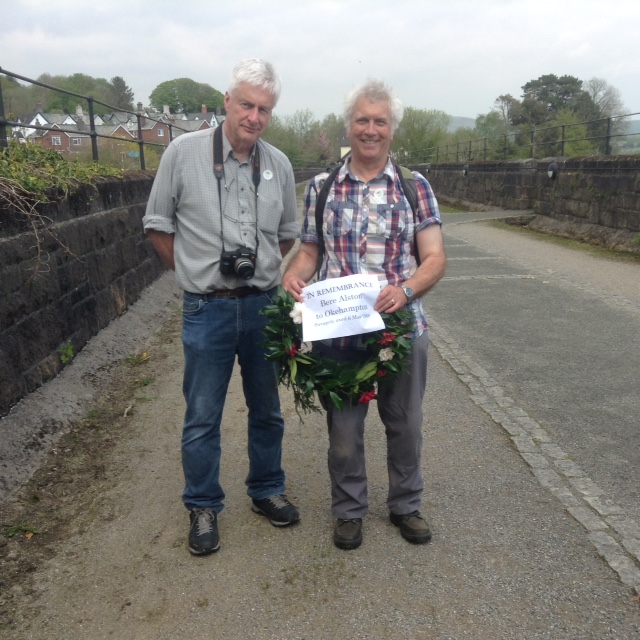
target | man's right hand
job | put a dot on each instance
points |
(303, 264)
(293, 284)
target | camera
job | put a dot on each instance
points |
(242, 262)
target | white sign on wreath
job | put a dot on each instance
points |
(340, 307)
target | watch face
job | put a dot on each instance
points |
(408, 291)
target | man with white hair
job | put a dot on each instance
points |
(369, 228)
(222, 215)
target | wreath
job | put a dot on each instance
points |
(305, 372)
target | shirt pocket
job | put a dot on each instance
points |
(270, 213)
(339, 218)
(391, 220)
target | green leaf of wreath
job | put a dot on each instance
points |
(340, 382)
(367, 371)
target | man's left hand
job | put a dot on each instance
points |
(391, 299)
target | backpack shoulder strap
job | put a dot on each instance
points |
(321, 201)
(409, 186)
(410, 189)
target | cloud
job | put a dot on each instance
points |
(456, 56)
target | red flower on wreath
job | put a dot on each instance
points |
(367, 397)
(293, 351)
(387, 339)
(381, 373)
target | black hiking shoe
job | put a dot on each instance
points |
(278, 509)
(413, 527)
(203, 532)
(348, 533)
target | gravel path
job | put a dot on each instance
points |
(507, 560)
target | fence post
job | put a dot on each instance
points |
(3, 128)
(143, 165)
(607, 147)
(470, 151)
(532, 153)
(485, 149)
(505, 147)
(562, 143)
(93, 134)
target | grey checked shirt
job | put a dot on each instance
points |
(184, 201)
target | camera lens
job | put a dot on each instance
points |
(244, 268)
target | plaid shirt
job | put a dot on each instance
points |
(369, 228)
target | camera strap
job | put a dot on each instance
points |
(218, 171)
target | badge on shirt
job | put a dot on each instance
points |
(268, 174)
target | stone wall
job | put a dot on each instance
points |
(600, 191)
(93, 260)
(90, 263)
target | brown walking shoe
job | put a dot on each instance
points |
(348, 533)
(413, 527)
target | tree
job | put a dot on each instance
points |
(185, 95)
(608, 101)
(15, 97)
(543, 98)
(574, 132)
(419, 131)
(506, 106)
(280, 136)
(122, 95)
(333, 126)
(605, 97)
(492, 129)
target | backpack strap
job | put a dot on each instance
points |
(321, 201)
(410, 189)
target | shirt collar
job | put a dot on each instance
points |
(227, 149)
(388, 170)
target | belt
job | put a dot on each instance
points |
(240, 292)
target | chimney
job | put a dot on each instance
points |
(139, 107)
(204, 108)
(79, 111)
(39, 107)
(165, 110)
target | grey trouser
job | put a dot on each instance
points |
(400, 409)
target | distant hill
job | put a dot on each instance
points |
(633, 126)
(457, 122)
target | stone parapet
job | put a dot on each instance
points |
(89, 262)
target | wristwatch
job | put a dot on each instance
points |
(408, 291)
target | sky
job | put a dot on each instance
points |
(455, 56)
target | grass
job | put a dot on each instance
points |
(445, 208)
(569, 243)
(23, 527)
(66, 353)
(135, 359)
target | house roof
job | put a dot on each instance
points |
(82, 131)
(186, 126)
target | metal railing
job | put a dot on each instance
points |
(597, 139)
(92, 133)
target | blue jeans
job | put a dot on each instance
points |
(214, 331)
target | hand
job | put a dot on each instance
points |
(293, 284)
(390, 300)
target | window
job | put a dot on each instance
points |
(160, 132)
(56, 141)
(75, 140)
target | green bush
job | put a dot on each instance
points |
(39, 171)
